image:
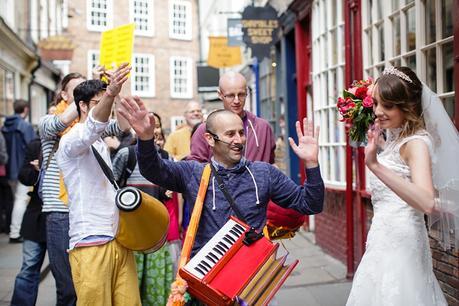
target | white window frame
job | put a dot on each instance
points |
(65, 14)
(374, 67)
(149, 32)
(328, 60)
(187, 35)
(188, 93)
(150, 74)
(109, 12)
(92, 61)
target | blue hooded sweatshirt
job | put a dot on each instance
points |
(18, 133)
(251, 184)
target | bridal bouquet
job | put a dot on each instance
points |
(356, 108)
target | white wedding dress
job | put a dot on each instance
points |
(396, 268)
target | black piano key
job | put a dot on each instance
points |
(236, 234)
(224, 245)
(228, 239)
(214, 256)
(210, 258)
(240, 227)
(204, 268)
(221, 248)
(200, 271)
(204, 263)
(217, 249)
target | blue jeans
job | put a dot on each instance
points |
(27, 281)
(57, 238)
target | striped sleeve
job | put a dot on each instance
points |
(50, 126)
(120, 162)
(112, 129)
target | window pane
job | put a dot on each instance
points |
(334, 7)
(430, 21)
(447, 20)
(370, 46)
(448, 64)
(411, 62)
(395, 5)
(369, 12)
(411, 28)
(396, 63)
(381, 53)
(334, 49)
(431, 69)
(449, 106)
(379, 9)
(396, 34)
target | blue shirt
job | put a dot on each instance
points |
(247, 182)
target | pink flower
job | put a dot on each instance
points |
(367, 102)
(352, 90)
(370, 90)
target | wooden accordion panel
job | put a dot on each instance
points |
(251, 273)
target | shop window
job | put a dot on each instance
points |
(328, 81)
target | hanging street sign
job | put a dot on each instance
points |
(260, 26)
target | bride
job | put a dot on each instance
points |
(405, 184)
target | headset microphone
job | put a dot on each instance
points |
(239, 146)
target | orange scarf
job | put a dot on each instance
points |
(60, 108)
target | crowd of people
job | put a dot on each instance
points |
(56, 197)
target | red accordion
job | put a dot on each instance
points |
(226, 271)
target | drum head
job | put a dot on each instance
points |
(128, 198)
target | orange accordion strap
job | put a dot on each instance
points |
(178, 288)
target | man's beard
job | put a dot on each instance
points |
(193, 122)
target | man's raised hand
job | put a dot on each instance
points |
(141, 120)
(308, 143)
(117, 79)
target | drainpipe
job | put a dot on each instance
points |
(32, 80)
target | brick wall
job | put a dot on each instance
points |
(446, 268)
(160, 45)
(330, 225)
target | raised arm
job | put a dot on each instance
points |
(419, 193)
(165, 173)
(103, 109)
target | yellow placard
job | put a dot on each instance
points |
(116, 46)
(221, 55)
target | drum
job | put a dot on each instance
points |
(144, 220)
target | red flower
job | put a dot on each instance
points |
(361, 92)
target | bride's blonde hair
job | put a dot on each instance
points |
(404, 93)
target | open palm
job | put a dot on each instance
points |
(308, 143)
(140, 119)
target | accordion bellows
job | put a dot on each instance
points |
(144, 220)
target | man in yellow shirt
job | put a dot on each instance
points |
(178, 142)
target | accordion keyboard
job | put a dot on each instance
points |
(203, 262)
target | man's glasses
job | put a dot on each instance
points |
(240, 96)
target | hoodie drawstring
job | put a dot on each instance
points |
(255, 183)
(213, 193)
(255, 134)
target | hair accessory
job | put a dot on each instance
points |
(396, 72)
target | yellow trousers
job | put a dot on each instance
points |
(105, 275)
